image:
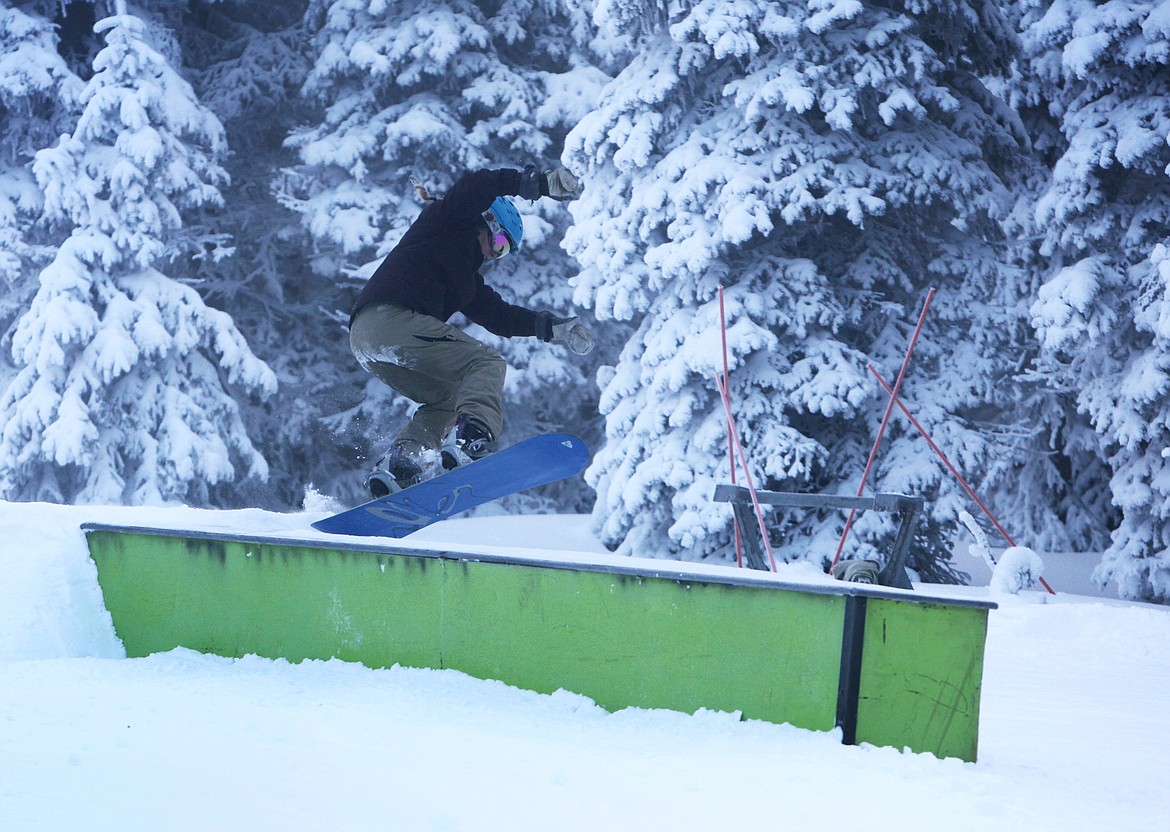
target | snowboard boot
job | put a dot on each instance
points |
(467, 442)
(395, 471)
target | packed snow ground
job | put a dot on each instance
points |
(1074, 729)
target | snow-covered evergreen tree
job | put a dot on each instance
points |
(1055, 480)
(121, 390)
(247, 61)
(1102, 315)
(37, 94)
(827, 162)
(427, 91)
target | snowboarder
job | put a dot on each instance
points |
(399, 330)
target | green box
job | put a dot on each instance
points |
(622, 635)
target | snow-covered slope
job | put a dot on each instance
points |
(1074, 725)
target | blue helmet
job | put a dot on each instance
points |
(509, 219)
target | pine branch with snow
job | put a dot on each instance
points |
(37, 94)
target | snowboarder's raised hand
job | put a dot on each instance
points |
(560, 184)
(569, 331)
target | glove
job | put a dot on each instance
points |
(569, 331)
(573, 334)
(560, 184)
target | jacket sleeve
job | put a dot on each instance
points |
(496, 315)
(472, 193)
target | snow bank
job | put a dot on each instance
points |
(1074, 726)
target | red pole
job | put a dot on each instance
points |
(730, 442)
(970, 491)
(885, 421)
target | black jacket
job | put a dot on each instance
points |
(434, 269)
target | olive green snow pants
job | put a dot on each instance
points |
(442, 368)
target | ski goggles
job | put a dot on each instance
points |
(501, 242)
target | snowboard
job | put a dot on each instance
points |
(527, 464)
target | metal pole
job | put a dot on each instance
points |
(747, 474)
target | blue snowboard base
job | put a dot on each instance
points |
(527, 464)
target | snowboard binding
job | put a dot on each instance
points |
(467, 442)
(395, 471)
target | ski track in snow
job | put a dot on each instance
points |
(1074, 727)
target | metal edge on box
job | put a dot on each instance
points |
(749, 578)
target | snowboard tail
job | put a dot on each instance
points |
(527, 464)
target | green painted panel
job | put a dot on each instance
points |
(921, 676)
(651, 642)
(233, 598)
